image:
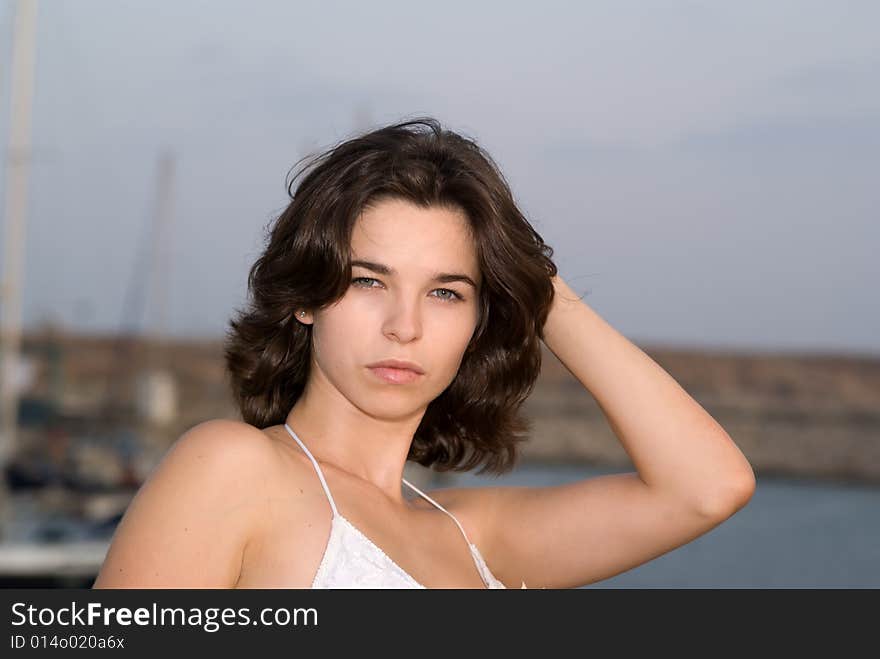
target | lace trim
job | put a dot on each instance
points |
(336, 543)
(333, 548)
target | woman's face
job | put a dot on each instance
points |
(401, 307)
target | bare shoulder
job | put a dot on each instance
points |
(227, 439)
(223, 453)
(188, 524)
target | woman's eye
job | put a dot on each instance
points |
(453, 295)
(448, 294)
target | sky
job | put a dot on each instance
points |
(706, 173)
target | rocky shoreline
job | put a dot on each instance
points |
(815, 416)
(792, 415)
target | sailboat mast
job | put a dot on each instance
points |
(17, 173)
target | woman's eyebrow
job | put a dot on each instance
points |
(442, 277)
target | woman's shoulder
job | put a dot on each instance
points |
(228, 449)
(210, 478)
(225, 438)
(219, 449)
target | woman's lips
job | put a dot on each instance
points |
(395, 375)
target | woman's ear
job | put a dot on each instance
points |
(304, 317)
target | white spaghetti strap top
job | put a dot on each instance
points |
(352, 560)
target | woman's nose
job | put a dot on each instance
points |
(403, 320)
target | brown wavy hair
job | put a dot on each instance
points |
(306, 265)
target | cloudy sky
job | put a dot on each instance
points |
(708, 173)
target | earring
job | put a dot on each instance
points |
(302, 314)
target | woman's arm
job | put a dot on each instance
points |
(690, 478)
(675, 445)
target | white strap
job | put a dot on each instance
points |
(317, 468)
(482, 568)
(441, 508)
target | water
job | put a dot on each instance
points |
(792, 534)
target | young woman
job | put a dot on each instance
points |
(396, 314)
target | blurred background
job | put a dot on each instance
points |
(707, 174)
